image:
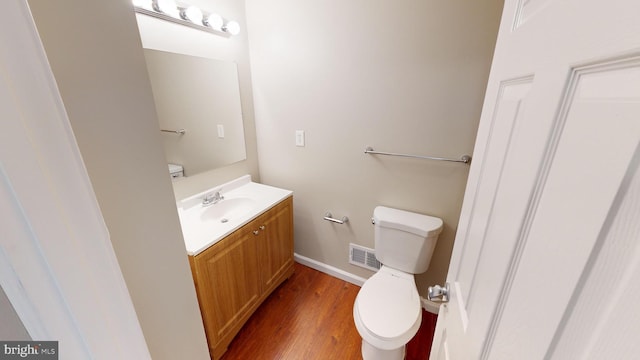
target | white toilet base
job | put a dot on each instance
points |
(370, 352)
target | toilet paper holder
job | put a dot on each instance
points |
(329, 217)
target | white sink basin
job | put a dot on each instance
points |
(227, 209)
(203, 226)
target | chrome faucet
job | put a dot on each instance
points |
(212, 198)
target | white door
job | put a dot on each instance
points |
(547, 254)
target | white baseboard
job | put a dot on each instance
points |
(429, 306)
(329, 270)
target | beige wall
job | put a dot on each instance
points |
(96, 56)
(11, 327)
(162, 35)
(403, 77)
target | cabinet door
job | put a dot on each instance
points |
(276, 245)
(229, 275)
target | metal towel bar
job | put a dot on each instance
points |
(327, 216)
(179, 131)
(463, 159)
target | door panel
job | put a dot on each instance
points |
(508, 110)
(594, 152)
(584, 335)
(554, 163)
(505, 134)
(230, 267)
(276, 245)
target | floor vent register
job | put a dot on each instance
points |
(363, 257)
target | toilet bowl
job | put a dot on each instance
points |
(387, 310)
(387, 314)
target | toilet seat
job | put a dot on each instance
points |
(387, 310)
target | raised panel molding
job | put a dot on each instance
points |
(613, 83)
(509, 104)
(527, 9)
(609, 80)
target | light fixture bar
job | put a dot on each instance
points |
(165, 17)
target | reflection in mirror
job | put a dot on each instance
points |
(201, 96)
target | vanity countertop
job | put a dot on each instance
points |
(244, 200)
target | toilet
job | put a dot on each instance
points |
(387, 311)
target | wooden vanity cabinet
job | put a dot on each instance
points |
(236, 274)
(275, 246)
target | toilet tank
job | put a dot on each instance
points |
(405, 240)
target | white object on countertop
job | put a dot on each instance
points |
(176, 171)
(202, 226)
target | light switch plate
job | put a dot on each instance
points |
(299, 137)
(221, 131)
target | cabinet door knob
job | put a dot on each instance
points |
(256, 232)
(261, 227)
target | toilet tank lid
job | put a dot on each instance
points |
(419, 224)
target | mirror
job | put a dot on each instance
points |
(201, 96)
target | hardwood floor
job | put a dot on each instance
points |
(310, 317)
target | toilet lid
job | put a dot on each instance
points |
(388, 305)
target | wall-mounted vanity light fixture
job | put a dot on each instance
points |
(187, 15)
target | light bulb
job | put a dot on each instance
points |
(192, 14)
(214, 21)
(167, 7)
(232, 27)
